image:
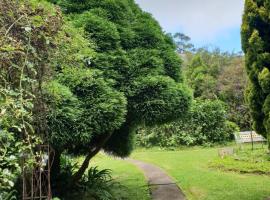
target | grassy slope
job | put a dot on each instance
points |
(190, 170)
(135, 185)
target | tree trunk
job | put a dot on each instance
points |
(55, 162)
(56, 168)
(268, 142)
(93, 151)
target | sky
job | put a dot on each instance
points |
(214, 23)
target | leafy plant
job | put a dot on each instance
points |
(95, 184)
(24, 57)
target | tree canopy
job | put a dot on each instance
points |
(133, 77)
(213, 74)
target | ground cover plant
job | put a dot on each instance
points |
(245, 160)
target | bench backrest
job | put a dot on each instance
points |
(245, 137)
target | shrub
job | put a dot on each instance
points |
(95, 184)
(205, 123)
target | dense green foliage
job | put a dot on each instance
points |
(134, 58)
(214, 76)
(220, 75)
(87, 108)
(83, 83)
(204, 124)
(255, 43)
(26, 43)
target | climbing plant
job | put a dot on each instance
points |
(26, 43)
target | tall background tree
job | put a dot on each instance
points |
(183, 43)
(213, 74)
(256, 46)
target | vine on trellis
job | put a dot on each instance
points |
(26, 40)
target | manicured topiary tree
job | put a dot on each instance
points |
(256, 46)
(138, 76)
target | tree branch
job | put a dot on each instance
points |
(93, 151)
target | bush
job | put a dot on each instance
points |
(204, 124)
(95, 184)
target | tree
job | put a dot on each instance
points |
(133, 78)
(220, 75)
(256, 46)
(183, 43)
(231, 85)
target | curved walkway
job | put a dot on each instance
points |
(162, 187)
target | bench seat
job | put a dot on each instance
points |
(245, 137)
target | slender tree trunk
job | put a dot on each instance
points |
(56, 168)
(55, 162)
(93, 151)
(268, 141)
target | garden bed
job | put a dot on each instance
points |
(255, 161)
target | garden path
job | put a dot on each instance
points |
(162, 187)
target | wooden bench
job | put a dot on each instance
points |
(248, 137)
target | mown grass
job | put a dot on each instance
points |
(190, 169)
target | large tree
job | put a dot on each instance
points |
(134, 78)
(256, 46)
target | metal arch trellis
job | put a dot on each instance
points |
(36, 181)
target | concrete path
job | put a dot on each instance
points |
(162, 187)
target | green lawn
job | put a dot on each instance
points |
(129, 176)
(190, 168)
